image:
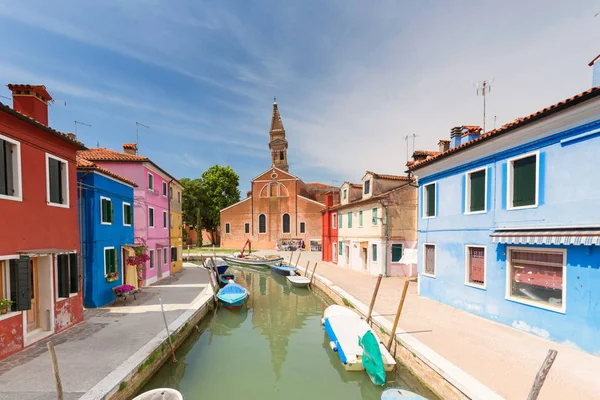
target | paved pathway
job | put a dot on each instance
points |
(108, 336)
(504, 359)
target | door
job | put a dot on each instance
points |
(33, 314)
(347, 254)
(160, 262)
(334, 251)
(364, 257)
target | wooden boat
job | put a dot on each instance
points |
(233, 295)
(225, 278)
(298, 281)
(343, 327)
(283, 269)
(160, 394)
(252, 260)
(222, 266)
(400, 394)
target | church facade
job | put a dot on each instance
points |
(279, 205)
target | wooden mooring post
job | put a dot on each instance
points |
(162, 309)
(290, 262)
(59, 390)
(298, 259)
(541, 375)
(312, 276)
(400, 305)
(374, 297)
(307, 266)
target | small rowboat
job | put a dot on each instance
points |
(400, 394)
(252, 260)
(283, 269)
(232, 295)
(225, 278)
(298, 281)
(160, 394)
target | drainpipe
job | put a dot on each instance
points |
(81, 230)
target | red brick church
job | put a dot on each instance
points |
(279, 206)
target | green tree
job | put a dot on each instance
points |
(220, 190)
(192, 199)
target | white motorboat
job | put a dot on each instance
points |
(160, 394)
(298, 281)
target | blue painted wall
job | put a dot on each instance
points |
(568, 196)
(97, 291)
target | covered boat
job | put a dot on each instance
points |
(283, 269)
(225, 278)
(232, 295)
(400, 394)
(298, 281)
(160, 394)
(252, 260)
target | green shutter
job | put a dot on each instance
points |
(430, 193)
(340, 248)
(396, 252)
(477, 195)
(20, 273)
(103, 208)
(374, 219)
(111, 212)
(360, 219)
(339, 220)
(74, 272)
(62, 262)
(374, 249)
(524, 181)
(350, 220)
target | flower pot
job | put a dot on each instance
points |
(4, 310)
(140, 283)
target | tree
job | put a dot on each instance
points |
(220, 190)
(192, 199)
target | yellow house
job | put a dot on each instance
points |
(176, 233)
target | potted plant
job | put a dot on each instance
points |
(139, 261)
(113, 276)
(5, 304)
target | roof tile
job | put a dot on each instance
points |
(86, 165)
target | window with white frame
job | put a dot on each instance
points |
(10, 169)
(334, 220)
(476, 193)
(227, 228)
(262, 223)
(302, 227)
(286, 223)
(367, 187)
(537, 277)
(57, 181)
(429, 196)
(429, 259)
(127, 214)
(110, 261)
(397, 249)
(151, 259)
(164, 189)
(165, 255)
(523, 177)
(5, 281)
(150, 181)
(350, 219)
(374, 216)
(67, 275)
(475, 265)
(151, 217)
(106, 211)
(345, 194)
(164, 219)
(360, 218)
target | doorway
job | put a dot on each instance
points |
(334, 250)
(159, 262)
(33, 314)
(347, 254)
(364, 256)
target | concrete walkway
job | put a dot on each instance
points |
(108, 337)
(504, 359)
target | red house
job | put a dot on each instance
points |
(330, 229)
(40, 271)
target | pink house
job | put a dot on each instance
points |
(151, 203)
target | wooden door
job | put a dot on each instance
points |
(33, 314)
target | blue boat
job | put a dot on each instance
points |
(395, 393)
(283, 269)
(232, 295)
(221, 266)
(225, 278)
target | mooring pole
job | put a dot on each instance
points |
(59, 390)
(541, 375)
(306, 271)
(291, 254)
(393, 333)
(313, 273)
(298, 259)
(162, 309)
(374, 297)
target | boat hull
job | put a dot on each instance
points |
(283, 269)
(395, 393)
(298, 281)
(234, 305)
(241, 262)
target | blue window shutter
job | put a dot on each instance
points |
(542, 178)
(490, 182)
(464, 189)
(504, 184)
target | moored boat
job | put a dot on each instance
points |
(252, 260)
(160, 394)
(233, 295)
(225, 278)
(298, 281)
(221, 266)
(400, 394)
(283, 269)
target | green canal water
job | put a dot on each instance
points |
(274, 348)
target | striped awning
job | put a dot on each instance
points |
(583, 237)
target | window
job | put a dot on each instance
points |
(360, 220)
(302, 227)
(165, 255)
(374, 251)
(164, 187)
(475, 268)
(171, 193)
(396, 252)
(286, 223)
(127, 214)
(262, 223)
(171, 220)
(350, 219)
(173, 254)
(536, 277)
(429, 200)
(340, 225)
(164, 219)
(68, 274)
(15, 282)
(57, 181)
(10, 169)
(523, 182)
(345, 194)
(106, 211)
(429, 260)
(475, 198)
(110, 261)
(340, 248)
(150, 181)
(6, 282)
(374, 216)
(227, 228)
(334, 220)
(367, 187)
(151, 258)
(246, 228)
(151, 217)
(179, 197)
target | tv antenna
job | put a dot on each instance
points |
(80, 123)
(138, 124)
(413, 144)
(4, 97)
(484, 88)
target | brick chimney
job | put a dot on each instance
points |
(31, 100)
(130, 148)
(444, 145)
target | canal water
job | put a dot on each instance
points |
(274, 348)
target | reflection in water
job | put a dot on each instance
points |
(273, 348)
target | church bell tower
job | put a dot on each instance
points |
(278, 144)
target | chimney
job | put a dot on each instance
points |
(71, 136)
(130, 148)
(328, 200)
(31, 100)
(455, 134)
(470, 132)
(444, 145)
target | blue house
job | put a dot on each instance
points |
(106, 217)
(509, 222)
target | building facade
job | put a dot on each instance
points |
(280, 206)
(40, 270)
(151, 204)
(106, 211)
(176, 226)
(376, 225)
(508, 223)
(329, 229)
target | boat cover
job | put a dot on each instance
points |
(371, 359)
(400, 394)
(160, 394)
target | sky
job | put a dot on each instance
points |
(352, 78)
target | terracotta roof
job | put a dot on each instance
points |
(388, 177)
(511, 126)
(425, 153)
(356, 185)
(471, 129)
(318, 185)
(444, 141)
(39, 89)
(37, 124)
(102, 154)
(86, 165)
(370, 199)
(130, 146)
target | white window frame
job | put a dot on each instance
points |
(101, 213)
(150, 187)
(434, 260)
(227, 228)
(54, 260)
(104, 255)
(123, 207)
(365, 186)
(66, 185)
(345, 194)
(165, 189)
(510, 177)
(334, 220)
(153, 217)
(376, 218)
(165, 219)
(5, 272)
(468, 192)
(563, 308)
(391, 252)
(17, 180)
(376, 252)
(300, 227)
(152, 255)
(266, 225)
(361, 216)
(166, 255)
(424, 198)
(471, 284)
